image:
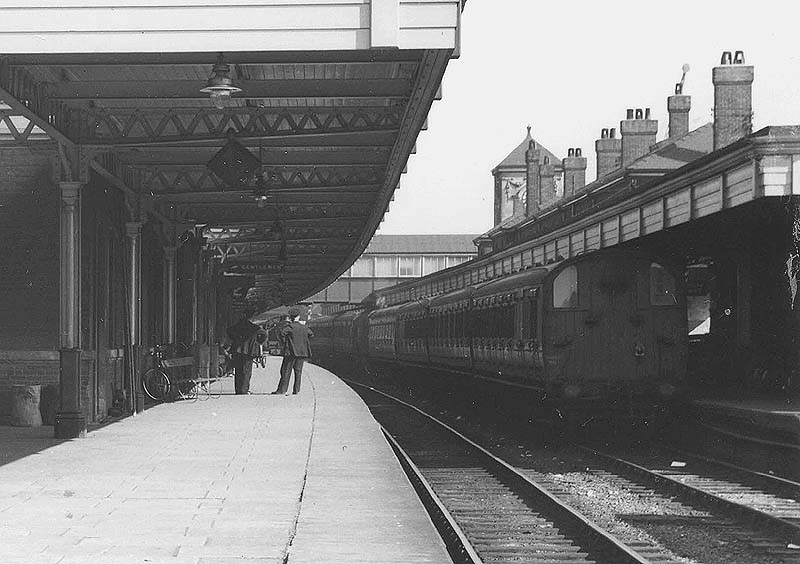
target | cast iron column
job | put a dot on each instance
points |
(134, 232)
(170, 255)
(70, 420)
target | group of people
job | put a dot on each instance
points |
(247, 339)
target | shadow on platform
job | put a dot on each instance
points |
(19, 442)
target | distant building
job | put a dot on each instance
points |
(390, 259)
(510, 180)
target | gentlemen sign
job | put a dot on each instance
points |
(256, 268)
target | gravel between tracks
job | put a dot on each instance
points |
(631, 512)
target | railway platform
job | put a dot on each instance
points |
(254, 479)
(755, 416)
(759, 433)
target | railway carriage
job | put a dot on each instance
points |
(449, 341)
(412, 333)
(381, 332)
(601, 327)
(323, 336)
(504, 323)
(344, 332)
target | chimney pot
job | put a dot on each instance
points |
(738, 58)
(629, 114)
(532, 202)
(574, 171)
(733, 104)
(678, 88)
(609, 152)
(604, 133)
(678, 107)
(638, 135)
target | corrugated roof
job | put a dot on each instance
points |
(434, 244)
(516, 158)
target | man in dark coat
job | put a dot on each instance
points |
(296, 349)
(246, 340)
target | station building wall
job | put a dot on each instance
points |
(29, 275)
(30, 278)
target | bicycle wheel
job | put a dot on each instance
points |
(156, 384)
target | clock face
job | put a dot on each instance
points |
(558, 185)
(512, 186)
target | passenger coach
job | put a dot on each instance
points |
(605, 325)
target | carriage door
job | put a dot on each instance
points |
(613, 324)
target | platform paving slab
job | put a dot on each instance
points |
(257, 479)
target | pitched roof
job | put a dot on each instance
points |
(516, 158)
(670, 154)
(435, 244)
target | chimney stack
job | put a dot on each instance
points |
(733, 99)
(638, 135)
(678, 106)
(532, 179)
(609, 151)
(574, 171)
(547, 188)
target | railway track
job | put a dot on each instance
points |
(503, 515)
(760, 510)
(767, 502)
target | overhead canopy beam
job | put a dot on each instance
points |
(210, 196)
(291, 156)
(299, 196)
(350, 57)
(382, 137)
(175, 90)
(22, 109)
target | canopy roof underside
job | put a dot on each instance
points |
(330, 131)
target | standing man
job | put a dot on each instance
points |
(246, 340)
(296, 349)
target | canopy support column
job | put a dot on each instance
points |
(70, 421)
(134, 233)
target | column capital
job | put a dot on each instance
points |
(133, 229)
(70, 191)
(170, 253)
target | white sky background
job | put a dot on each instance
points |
(570, 68)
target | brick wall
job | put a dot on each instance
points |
(29, 255)
(31, 368)
(25, 368)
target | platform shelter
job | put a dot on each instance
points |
(166, 166)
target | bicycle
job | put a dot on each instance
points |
(157, 384)
(225, 364)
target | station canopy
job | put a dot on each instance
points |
(283, 158)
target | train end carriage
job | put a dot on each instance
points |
(412, 332)
(504, 326)
(344, 341)
(322, 342)
(381, 333)
(614, 328)
(449, 342)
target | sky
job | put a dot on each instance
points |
(569, 69)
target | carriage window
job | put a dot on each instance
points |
(529, 315)
(565, 288)
(699, 282)
(662, 286)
